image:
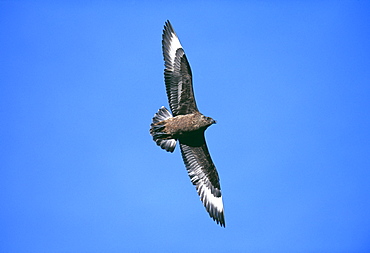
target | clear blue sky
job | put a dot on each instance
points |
(287, 81)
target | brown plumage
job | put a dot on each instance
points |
(187, 125)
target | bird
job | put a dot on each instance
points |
(186, 125)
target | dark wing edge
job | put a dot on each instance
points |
(177, 74)
(204, 176)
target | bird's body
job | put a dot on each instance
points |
(182, 126)
(187, 125)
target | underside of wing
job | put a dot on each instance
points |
(177, 74)
(204, 176)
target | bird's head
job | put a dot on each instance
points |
(208, 120)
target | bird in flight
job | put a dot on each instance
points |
(186, 125)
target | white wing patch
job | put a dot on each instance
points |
(179, 91)
(207, 197)
(174, 45)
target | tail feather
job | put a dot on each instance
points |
(156, 130)
(161, 115)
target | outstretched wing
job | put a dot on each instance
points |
(177, 74)
(203, 175)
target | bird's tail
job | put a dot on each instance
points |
(157, 127)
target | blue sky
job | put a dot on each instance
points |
(288, 83)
